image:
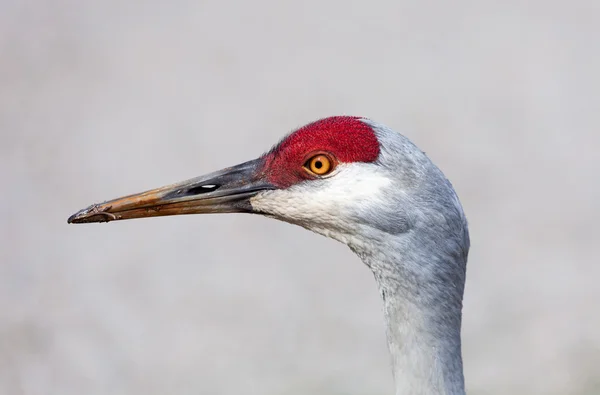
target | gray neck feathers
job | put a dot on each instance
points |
(418, 253)
(422, 295)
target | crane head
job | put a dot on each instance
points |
(337, 176)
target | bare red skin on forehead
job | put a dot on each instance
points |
(346, 138)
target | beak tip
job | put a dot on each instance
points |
(93, 213)
(76, 218)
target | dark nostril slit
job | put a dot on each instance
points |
(201, 189)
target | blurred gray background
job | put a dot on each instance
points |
(103, 98)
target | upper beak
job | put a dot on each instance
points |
(225, 191)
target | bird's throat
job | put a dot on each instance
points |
(426, 356)
(423, 329)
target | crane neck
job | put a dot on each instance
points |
(422, 298)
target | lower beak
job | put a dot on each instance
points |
(225, 191)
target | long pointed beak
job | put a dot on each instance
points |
(225, 191)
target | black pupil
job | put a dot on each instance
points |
(318, 164)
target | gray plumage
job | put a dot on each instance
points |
(421, 270)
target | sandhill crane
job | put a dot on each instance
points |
(360, 183)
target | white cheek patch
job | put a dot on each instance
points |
(326, 203)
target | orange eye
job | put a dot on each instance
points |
(319, 165)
